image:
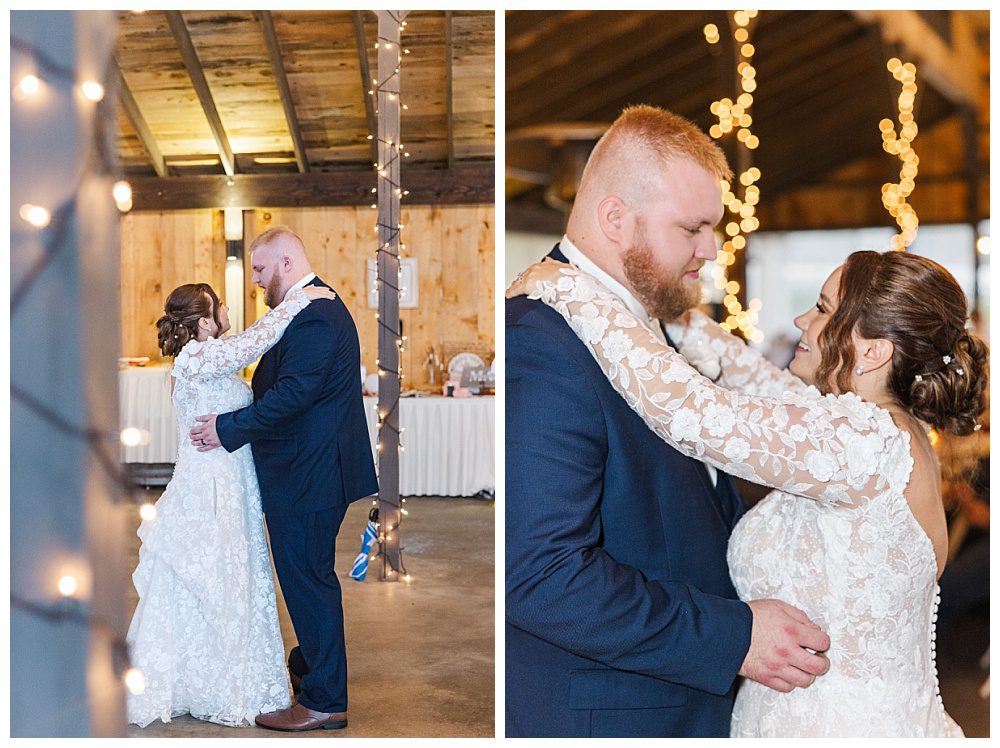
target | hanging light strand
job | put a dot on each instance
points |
(740, 199)
(894, 194)
(391, 152)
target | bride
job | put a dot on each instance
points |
(205, 633)
(855, 533)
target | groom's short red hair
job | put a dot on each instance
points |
(642, 132)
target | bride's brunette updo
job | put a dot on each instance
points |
(939, 371)
(184, 307)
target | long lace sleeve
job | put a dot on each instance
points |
(830, 448)
(740, 367)
(218, 357)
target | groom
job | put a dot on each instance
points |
(310, 444)
(621, 617)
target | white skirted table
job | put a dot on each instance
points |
(448, 442)
(144, 403)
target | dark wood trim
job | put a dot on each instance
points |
(449, 86)
(277, 63)
(366, 79)
(131, 109)
(197, 74)
(466, 184)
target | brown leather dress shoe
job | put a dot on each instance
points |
(298, 718)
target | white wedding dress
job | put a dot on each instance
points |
(837, 539)
(205, 633)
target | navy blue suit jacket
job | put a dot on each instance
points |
(307, 426)
(621, 616)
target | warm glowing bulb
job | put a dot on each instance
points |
(148, 512)
(131, 436)
(983, 245)
(92, 90)
(30, 84)
(36, 215)
(134, 681)
(122, 192)
(67, 585)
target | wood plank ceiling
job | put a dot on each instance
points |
(823, 87)
(212, 95)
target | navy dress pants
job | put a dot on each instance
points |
(303, 548)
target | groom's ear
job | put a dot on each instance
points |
(875, 353)
(613, 218)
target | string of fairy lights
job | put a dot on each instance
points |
(740, 199)
(894, 194)
(54, 223)
(386, 94)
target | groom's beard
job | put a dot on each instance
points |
(272, 293)
(664, 296)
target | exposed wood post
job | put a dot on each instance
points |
(389, 335)
(197, 74)
(131, 108)
(284, 92)
(449, 84)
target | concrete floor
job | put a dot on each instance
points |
(420, 654)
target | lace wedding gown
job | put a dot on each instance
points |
(205, 633)
(837, 539)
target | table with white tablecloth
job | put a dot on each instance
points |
(448, 442)
(144, 403)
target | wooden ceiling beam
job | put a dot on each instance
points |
(650, 84)
(466, 184)
(132, 111)
(449, 86)
(284, 91)
(596, 63)
(366, 80)
(634, 53)
(951, 70)
(189, 55)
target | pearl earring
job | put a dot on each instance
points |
(859, 371)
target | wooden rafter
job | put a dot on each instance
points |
(131, 108)
(277, 63)
(463, 185)
(366, 79)
(449, 87)
(197, 74)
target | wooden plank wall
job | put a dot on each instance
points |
(160, 251)
(453, 246)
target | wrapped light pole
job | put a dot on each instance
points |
(390, 337)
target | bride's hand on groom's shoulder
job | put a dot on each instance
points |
(780, 640)
(546, 270)
(313, 293)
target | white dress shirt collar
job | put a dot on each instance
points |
(302, 283)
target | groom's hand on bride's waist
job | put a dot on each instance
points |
(780, 642)
(204, 436)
